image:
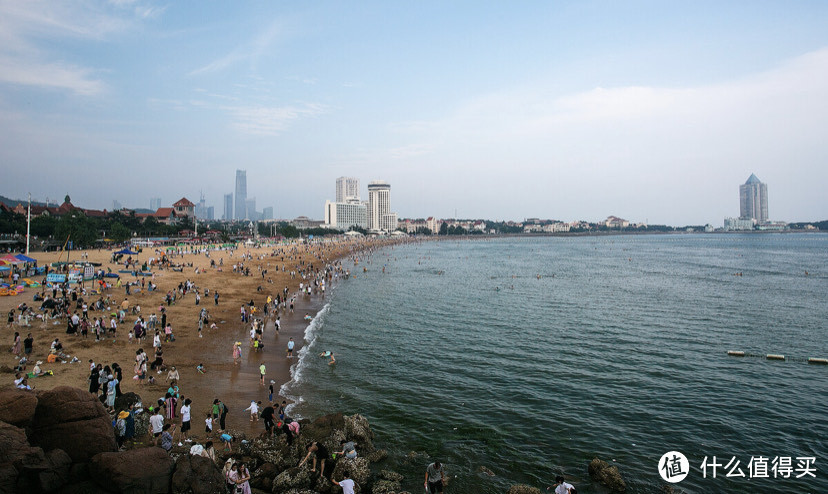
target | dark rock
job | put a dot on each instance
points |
(606, 475)
(358, 430)
(57, 473)
(196, 475)
(142, 425)
(13, 444)
(294, 479)
(359, 469)
(523, 489)
(322, 428)
(126, 400)
(73, 420)
(136, 470)
(85, 487)
(486, 471)
(386, 487)
(377, 456)
(8, 477)
(390, 475)
(263, 477)
(17, 407)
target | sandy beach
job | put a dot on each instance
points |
(235, 384)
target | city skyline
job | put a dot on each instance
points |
(570, 110)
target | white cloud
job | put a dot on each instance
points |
(250, 51)
(30, 30)
(49, 75)
(270, 120)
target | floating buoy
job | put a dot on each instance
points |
(734, 353)
(821, 361)
(772, 356)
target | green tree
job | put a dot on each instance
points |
(77, 228)
(44, 226)
(443, 228)
(119, 232)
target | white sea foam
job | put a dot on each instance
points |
(297, 369)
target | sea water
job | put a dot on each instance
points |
(529, 357)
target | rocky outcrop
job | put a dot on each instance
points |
(73, 420)
(523, 489)
(17, 407)
(126, 400)
(62, 440)
(608, 476)
(388, 483)
(196, 475)
(25, 468)
(137, 470)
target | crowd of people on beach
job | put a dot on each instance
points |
(99, 311)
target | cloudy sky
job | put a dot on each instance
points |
(652, 111)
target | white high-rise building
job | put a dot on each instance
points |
(753, 200)
(379, 205)
(344, 215)
(347, 188)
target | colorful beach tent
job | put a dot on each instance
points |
(126, 251)
(10, 259)
(23, 258)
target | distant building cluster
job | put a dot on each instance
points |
(349, 211)
(237, 206)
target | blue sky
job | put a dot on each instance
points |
(652, 111)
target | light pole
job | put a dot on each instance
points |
(28, 223)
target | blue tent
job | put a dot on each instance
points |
(25, 258)
(126, 251)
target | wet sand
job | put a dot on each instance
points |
(236, 385)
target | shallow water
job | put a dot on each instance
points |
(531, 356)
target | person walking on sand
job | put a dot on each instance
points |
(16, 345)
(157, 425)
(435, 478)
(237, 353)
(290, 346)
(262, 374)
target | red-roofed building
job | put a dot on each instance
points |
(184, 208)
(166, 216)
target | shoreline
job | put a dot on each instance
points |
(236, 385)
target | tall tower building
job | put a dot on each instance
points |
(753, 200)
(228, 206)
(155, 203)
(347, 188)
(241, 195)
(379, 204)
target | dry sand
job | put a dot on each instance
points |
(236, 385)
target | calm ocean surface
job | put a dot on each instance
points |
(618, 350)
